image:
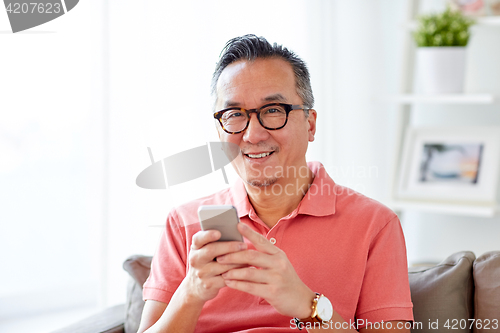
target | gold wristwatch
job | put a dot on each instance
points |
(322, 311)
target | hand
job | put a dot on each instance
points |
(203, 280)
(268, 274)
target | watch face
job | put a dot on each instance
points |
(324, 308)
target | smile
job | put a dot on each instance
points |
(261, 155)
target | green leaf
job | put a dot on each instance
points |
(448, 28)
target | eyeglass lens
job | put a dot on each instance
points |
(273, 116)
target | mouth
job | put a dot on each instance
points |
(258, 155)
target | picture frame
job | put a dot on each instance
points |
(451, 164)
(476, 8)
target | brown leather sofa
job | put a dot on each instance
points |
(460, 294)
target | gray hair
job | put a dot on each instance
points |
(251, 47)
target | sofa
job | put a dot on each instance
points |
(460, 294)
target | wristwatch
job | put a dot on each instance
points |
(322, 311)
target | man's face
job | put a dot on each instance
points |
(251, 85)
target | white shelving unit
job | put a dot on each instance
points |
(406, 100)
(492, 21)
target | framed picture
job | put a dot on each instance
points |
(495, 7)
(469, 7)
(476, 8)
(451, 164)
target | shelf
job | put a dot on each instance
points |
(489, 21)
(445, 208)
(440, 99)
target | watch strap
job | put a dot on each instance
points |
(314, 314)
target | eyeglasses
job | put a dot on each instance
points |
(271, 116)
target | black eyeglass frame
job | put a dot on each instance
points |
(288, 108)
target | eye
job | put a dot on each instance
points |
(274, 110)
(232, 114)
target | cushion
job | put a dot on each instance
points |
(138, 267)
(487, 294)
(443, 293)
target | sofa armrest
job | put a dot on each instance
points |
(110, 320)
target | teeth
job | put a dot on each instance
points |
(258, 155)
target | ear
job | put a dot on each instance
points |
(311, 121)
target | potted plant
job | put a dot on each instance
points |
(441, 40)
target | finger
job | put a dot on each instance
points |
(215, 282)
(220, 269)
(249, 274)
(201, 238)
(213, 250)
(208, 253)
(249, 258)
(256, 289)
(260, 242)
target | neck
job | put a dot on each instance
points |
(273, 202)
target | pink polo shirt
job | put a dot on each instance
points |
(342, 244)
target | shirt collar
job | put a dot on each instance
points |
(240, 198)
(321, 197)
(319, 200)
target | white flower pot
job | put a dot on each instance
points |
(441, 69)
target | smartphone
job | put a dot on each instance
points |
(223, 218)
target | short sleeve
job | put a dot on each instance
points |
(385, 292)
(168, 267)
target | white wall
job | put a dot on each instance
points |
(49, 167)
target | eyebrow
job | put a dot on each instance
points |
(275, 98)
(271, 98)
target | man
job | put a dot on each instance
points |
(313, 250)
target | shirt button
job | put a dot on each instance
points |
(273, 240)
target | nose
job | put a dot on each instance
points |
(255, 132)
